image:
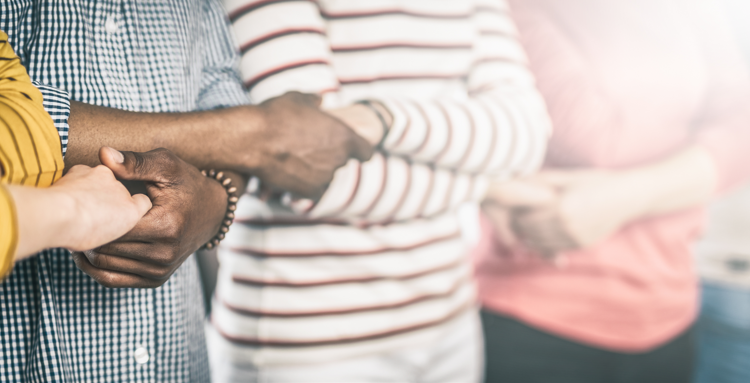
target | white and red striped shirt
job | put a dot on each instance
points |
(378, 261)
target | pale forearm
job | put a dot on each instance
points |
(684, 180)
(43, 215)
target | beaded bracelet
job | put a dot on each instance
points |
(375, 110)
(232, 199)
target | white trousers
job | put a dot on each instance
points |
(456, 357)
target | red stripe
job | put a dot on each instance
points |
(292, 31)
(383, 184)
(420, 211)
(366, 80)
(391, 12)
(404, 131)
(290, 221)
(513, 133)
(493, 141)
(487, 8)
(353, 310)
(382, 249)
(505, 60)
(404, 194)
(353, 193)
(449, 124)
(246, 341)
(239, 12)
(428, 126)
(449, 193)
(355, 48)
(496, 32)
(472, 136)
(255, 80)
(259, 282)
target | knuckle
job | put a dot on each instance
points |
(139, 162)
(106, 279)
(96, 259)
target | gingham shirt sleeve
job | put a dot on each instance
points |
(220, 84)
(57, 104)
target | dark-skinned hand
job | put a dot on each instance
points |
(303, 146)
(187, 212)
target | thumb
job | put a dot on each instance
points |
(134, 166)
(142, 204)
(361, 149)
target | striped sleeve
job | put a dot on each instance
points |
(501, 129)
(440, 151)
(283, 47)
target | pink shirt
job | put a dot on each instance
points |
(627, 82)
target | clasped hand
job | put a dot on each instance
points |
(187, 212)
(558, 211)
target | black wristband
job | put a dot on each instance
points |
(383, 123)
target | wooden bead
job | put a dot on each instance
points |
(226, 182)
(211, 173)
(228, 223)
(234, 199)
(232, 190)
(232, 207)
(224, 229)
(221, 236)
(219, 176)
(209, 245)
(204, 173)
(230, 215)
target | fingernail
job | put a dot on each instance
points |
(116, 155)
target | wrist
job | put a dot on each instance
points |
(252, 126)
(632, 193)
(44, 218)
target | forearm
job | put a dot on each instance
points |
(43, 215)
(199, 138)
(684, 180)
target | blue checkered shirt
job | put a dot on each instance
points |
(58, 324)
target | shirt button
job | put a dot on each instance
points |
(110, 25)
(141, 355)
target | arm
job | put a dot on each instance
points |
(75, 213)
(590, 205)
(500, 130)
(585, 207)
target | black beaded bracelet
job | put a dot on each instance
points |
(232, 199)
(375, 110)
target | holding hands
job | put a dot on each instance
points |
(557, 211)
(188, 209)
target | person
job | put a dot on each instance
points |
(587, 274)
(74, 213)
(371, 283)
(138, 77)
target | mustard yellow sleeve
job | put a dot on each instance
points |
(9, 232)
(30, 150)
